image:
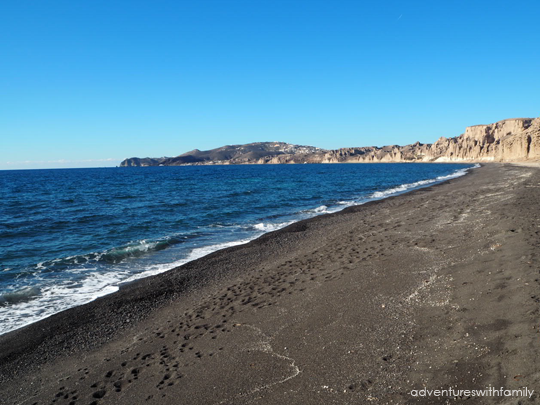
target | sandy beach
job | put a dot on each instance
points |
(436, 289)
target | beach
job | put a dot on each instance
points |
(437, 288)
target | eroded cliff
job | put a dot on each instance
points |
(516, 139)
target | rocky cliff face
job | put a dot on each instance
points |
(509, 140)
(503, 141)
(516, 139)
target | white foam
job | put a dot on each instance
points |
(269, 227)
(321, 209)
(407, 187)
(194, 255)
(57, 298)
(401, 188)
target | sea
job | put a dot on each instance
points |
(68, 236)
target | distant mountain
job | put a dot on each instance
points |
(515, 139)
(252, 153)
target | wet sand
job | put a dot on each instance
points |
(436, 288)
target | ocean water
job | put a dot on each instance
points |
(68, 236)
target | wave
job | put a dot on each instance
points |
(111, 256)
(21, 295)
(136, 249)
(270, 227)
(346, 203)
(27, 305)
(319, 210)
(411, 186)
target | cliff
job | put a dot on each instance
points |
(507, 140)
(516, 139)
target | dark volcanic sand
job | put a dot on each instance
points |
(435, 288)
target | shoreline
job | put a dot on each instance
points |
(310, 306)
(36, 305)
(134, 284)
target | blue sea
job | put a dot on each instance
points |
(68, 236)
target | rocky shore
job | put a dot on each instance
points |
(437, 288)
(510, 140)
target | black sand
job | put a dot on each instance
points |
(437, 288)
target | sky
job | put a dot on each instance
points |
(89, 83)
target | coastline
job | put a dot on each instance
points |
(35, 296)
(338, 308)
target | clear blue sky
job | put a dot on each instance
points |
(89, 83)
